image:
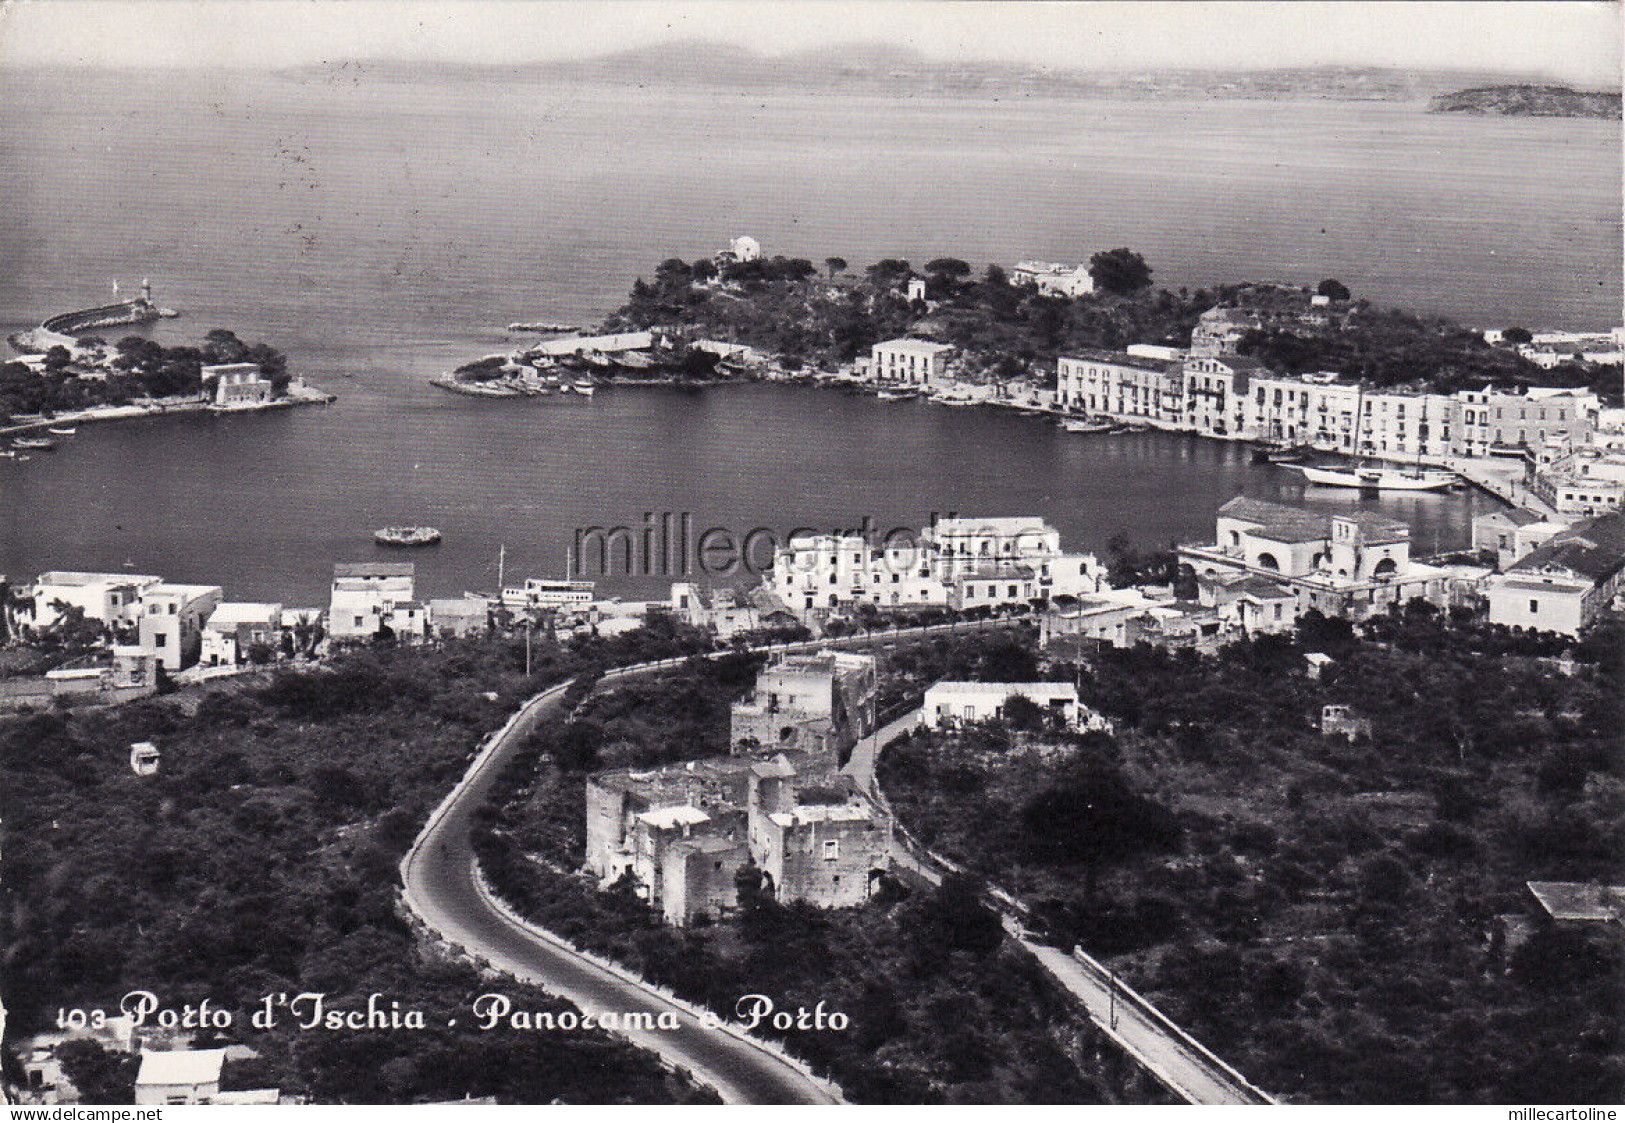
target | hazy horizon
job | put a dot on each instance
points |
(1573, 41)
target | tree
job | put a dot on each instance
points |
(1120, 271)
(100, 1076)
(1333, 289)
(888, 272)
(948, 268)
(954, 918)
(1022, 713)
(835, 265)
(704, 269)
(1518, 335)
(57, 358)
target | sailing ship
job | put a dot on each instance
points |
(1368, 477)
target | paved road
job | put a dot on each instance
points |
(440, 887)
(1182, 1064)
(1186, 1071)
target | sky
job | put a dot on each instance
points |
(1574, 40)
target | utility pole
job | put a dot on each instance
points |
(528, 623)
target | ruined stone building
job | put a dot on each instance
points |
(814, 703)
(683, 833)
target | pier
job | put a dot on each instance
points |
(60, 330)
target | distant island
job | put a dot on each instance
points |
(884, 68)
(1530, 101)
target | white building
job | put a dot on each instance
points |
(745, 248)
(1348, 565)
(171, 622)
(1120, 385)
(1577, 481)
(1566, 584)
(952, 703)
(238, 385)
(721, 609)
(113, 599)
(918, 362)
(459, 617)
(957, 562)
(182, 1076)
(370, 596)
(1053, 279)
(234, 627)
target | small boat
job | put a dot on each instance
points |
(406, 536)
(43, 444)
(889, 396)
(1378, 479)
(1084, 425)
(582, 387)
(1133, 427)
(63, 430)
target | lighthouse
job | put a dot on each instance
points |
(146, 290)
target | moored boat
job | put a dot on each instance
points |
(1085, 425)
(407, 536)
(63, 430)
(1368, 478)
(42, 444)
(582, 387)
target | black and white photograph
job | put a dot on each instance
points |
(812, 552)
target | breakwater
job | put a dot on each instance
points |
(141, 310)
(59, 330)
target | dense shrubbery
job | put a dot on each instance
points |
(1326, 917)
(1005, 331)
(263, 858)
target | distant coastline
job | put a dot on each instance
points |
(884, 68)
(1530, 101)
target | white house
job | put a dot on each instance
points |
(182, 1076)
(368, 596)
(113, 599)
(745, 248)
(1053, 278)
(236, 626)
(1565, 584)
(951, 703)
(171, 621)
(721, 609)
(918, 362)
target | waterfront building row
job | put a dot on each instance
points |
(1234, 396)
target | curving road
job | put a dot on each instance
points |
(440, 886)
